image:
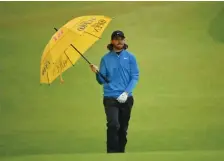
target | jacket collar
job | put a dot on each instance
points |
(114, 53)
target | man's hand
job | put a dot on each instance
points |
(94, 68)
(123, 97)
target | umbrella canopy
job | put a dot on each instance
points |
(69, 43)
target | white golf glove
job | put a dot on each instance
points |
(123, 97)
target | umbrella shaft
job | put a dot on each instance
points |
(80, 54)
(77, 50)
(107, 81)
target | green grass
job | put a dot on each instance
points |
(155, 156)
(179, 101)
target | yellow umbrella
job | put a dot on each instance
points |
(69, 43)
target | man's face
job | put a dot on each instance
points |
(118, 43)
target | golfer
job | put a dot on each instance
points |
(119, 66)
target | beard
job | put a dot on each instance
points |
(119, 46)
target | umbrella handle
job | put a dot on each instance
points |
(105, 78)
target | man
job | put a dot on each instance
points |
(121, 69)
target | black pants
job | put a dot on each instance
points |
(118, 116)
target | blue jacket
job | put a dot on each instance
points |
(122, 72)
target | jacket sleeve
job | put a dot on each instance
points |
(134, 75)
(103, 71)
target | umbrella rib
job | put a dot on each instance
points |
(92, 35)
(48, 79)
(69, 58)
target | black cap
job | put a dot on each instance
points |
(117, 33)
